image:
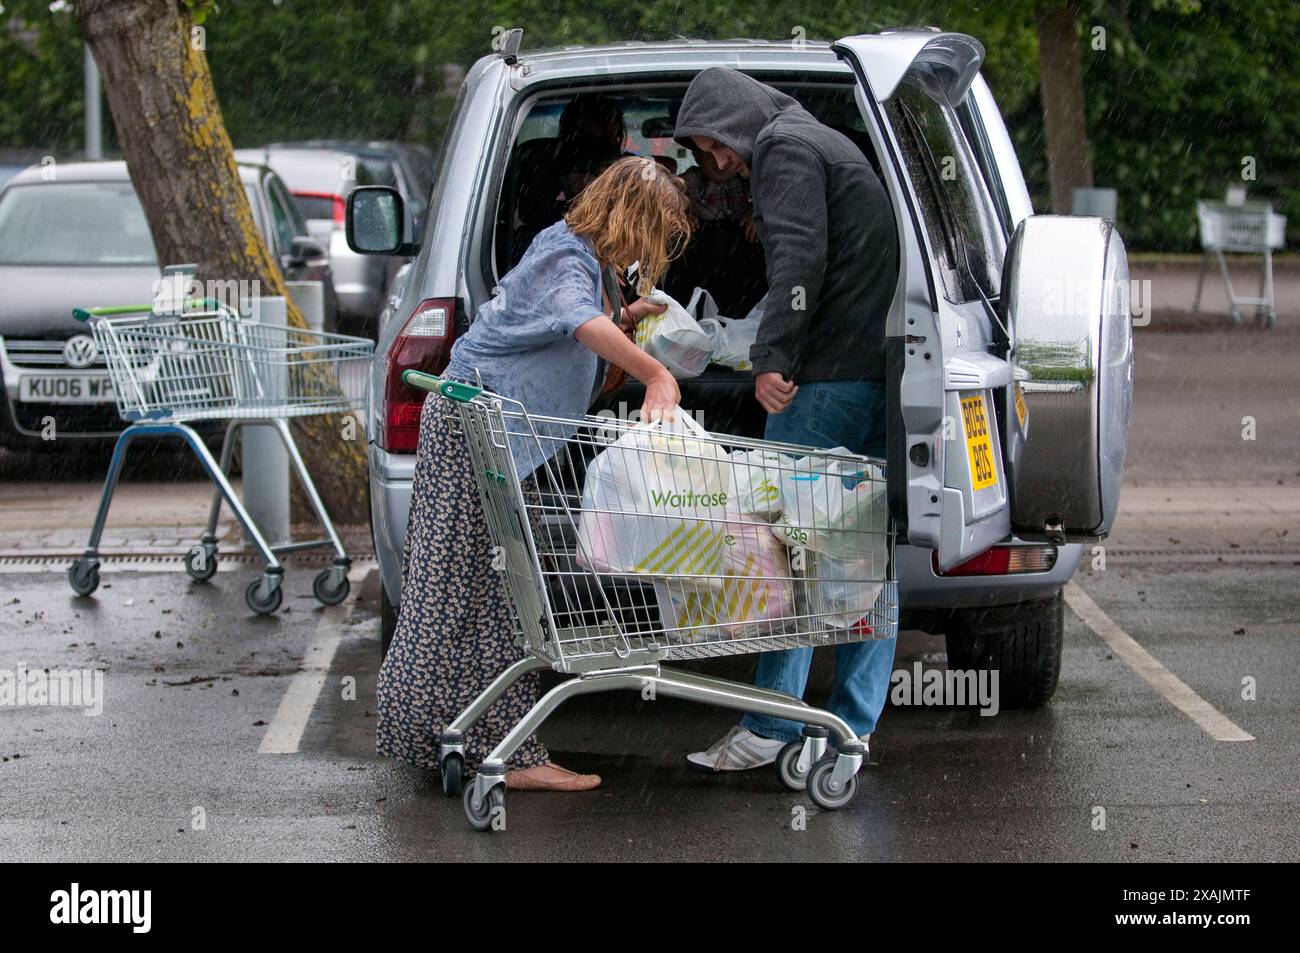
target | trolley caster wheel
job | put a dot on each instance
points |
(480, 813)
(260, 601)
(330, 587)
(824, 793)
(453, 775)
(201, 563)
(83, 576)
(787, 766)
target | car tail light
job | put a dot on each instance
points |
(1002, 561)
(424, 344)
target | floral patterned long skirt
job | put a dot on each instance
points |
(454, 634)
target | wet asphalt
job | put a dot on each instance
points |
(172, 770)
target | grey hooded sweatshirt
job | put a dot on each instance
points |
(825, 223)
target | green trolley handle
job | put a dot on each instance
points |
(453, 389)
(85, 314)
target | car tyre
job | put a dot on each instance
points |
(1022, 643)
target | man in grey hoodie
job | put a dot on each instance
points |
(831, 249)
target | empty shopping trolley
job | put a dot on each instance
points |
(1248, 228)
(206, 362)
(633, 545)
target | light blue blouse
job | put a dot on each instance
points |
(522, 342)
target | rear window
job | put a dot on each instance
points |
(380, 170)
(314, 206)
(74, 223)
(313, 172)
(961, 222)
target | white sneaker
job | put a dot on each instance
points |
(738, 750)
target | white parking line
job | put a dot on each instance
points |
(290, 721)
(1174, 689)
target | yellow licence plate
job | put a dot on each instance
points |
(1022, 411)
(974, 416)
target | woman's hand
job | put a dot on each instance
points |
(639, 308)
(661, 393)
(662, 396)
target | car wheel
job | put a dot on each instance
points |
(1022, 643)
(387, 621)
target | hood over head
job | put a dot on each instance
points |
(726, 105)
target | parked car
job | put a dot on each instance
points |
(405, 166)
(992, 515)
(82, 240)
(320, 181)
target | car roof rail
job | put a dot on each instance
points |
(507, 45)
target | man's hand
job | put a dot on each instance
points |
(774, 392)
(662, 396)
(639, 308)
(749, 228)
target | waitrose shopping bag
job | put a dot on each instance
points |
(655, 502)
(754, 596)
(834, 517)
(756, 483)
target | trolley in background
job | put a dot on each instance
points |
(1249, 228)
(710, 584)
(204, 361)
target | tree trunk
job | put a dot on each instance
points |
(1064, 119)
(170, 129)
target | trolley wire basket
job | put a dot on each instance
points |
(212, 363)
(1246, 228)
(627, 545)
(205, 361)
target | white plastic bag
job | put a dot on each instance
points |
(674, 338)
(829, 505)
(756, 483)
(837, 593)
(654, 503)
(732, 338)
(835, 518)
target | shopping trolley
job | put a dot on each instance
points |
(802, 556)
(1251, 228)
(204, 361)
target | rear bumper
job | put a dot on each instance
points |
(920, 591)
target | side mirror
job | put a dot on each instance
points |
(375, 221)
(303, 251)
(1066, 294)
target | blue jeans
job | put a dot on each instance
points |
(831, 414)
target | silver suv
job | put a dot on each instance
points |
(1008, 339)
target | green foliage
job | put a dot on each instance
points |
(1177, 103)
(1182, 92)
(40, 78)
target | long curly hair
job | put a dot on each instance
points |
(634, 211)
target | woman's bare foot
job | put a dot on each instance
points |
(550, 777)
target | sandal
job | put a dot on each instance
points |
(550, 777)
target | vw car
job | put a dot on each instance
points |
(80, 239)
